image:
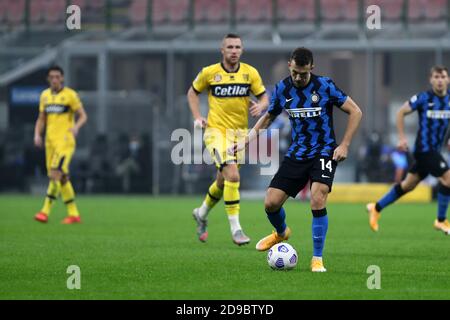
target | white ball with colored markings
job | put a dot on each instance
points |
(282, 256)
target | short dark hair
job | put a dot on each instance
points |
(55, 68)
(232, 36)
(438, 69)
(302, 57)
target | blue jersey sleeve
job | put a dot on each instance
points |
(274, 107)
(337, 96)
(417, 101)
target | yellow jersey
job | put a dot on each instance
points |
(59, 108)
(229, 94)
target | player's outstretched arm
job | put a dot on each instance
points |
(402, 112)
(263, 123)
(81, 120)
(355, 115)
(194, 105)
(39, 129)
(257, 108)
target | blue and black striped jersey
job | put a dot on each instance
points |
(434, 115)
(310, 110)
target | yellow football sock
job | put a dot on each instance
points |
(213, 196)
(52, 194)
(231, 197)
(68, 196)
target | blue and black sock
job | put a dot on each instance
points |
(390, 197)
(277, 219)
(443, 197)
(319, 230)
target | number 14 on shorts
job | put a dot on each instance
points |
(326, 164)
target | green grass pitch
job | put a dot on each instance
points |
(146, 248)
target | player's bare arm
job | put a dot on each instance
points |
(355, 115)
(39, 129)
(401, 113)
(194, 105)
(263, 123)
(81, 120)
(257, 108)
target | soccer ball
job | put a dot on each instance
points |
(282, 256)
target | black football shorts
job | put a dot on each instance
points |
(426, 163)
(293, 175)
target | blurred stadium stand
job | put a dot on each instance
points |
(133, 61)
(121, 14)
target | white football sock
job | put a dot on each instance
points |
(203, 211)
(234, 223)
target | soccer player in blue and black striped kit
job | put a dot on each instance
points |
(309, 100)
(433, 108)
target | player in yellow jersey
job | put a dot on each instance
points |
(229, 85)
(58, 107)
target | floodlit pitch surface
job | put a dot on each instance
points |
(146, 248)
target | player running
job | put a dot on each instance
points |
(313, 155)
(58, 107)
(229, 85)
(433, 107)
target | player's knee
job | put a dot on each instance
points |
(406, 187)
(445, 180)
(232, 175)
(318, 202)
(271, 205)
(220, 180)
(319, 198)
(55, 175)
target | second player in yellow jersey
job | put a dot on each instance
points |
(229, 94)
(58, 107)
(230, 85)
(228, 100)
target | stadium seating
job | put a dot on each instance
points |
(81, 3)
(391, 10)
(3, 7)
(296, 10)
(97, 4)
(427, 9)
(36, 11)
(206, 12)
(339, 10)
(418, 10)
(254, 11)
(54, 11)
(138, 12)
(170, 12)
(15, 11)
